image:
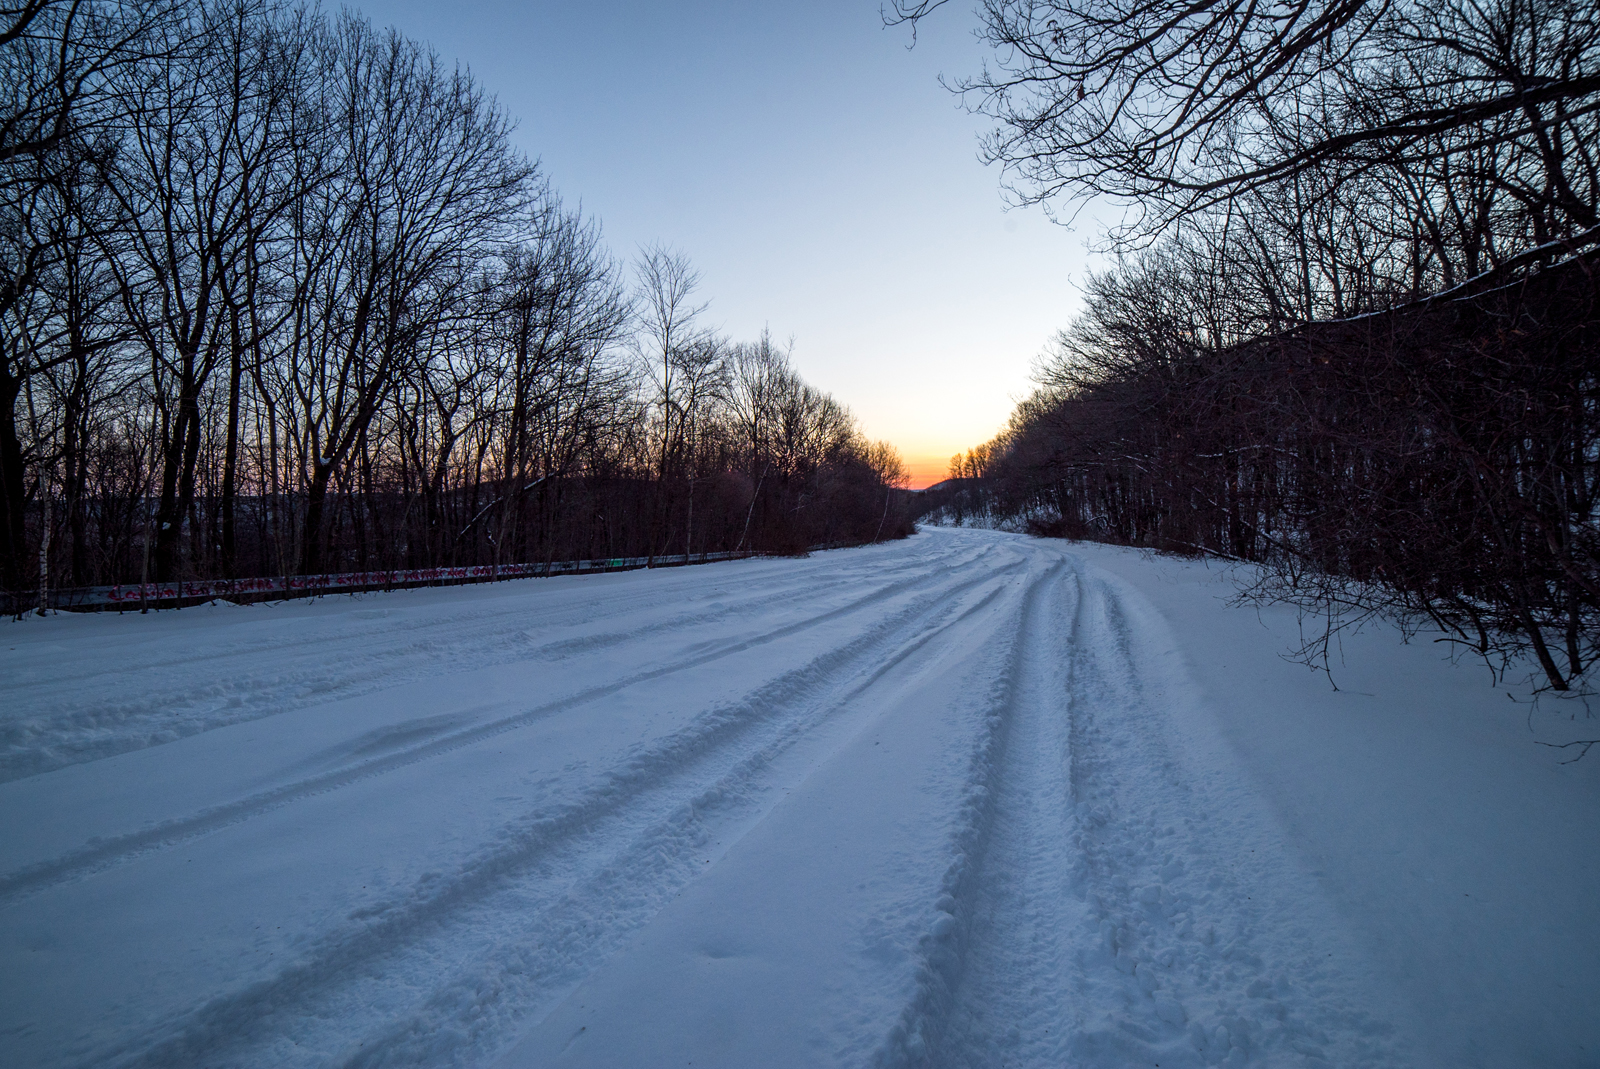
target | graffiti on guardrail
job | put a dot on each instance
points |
(292, 586)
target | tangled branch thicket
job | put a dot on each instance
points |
(278, 296)
(1353, 332)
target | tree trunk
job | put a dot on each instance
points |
(13, 491)
(316, 497)
(230, 460)
(177, 483)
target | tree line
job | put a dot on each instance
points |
(279, 296)
(1351, 333)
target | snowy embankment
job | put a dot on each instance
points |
(967, 800)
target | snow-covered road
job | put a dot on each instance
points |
(956, 801)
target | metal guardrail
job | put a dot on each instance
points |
(154, 595)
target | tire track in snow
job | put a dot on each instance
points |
(719, 813)
(922, 1030)
(1174, 959)
(787, 708)
(1012, 1002)
(106, 854)
(91, 728)
(1097, 915)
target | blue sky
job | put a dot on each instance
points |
(815, 172)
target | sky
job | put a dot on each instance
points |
(811, 166)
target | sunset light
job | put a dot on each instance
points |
(854, 533)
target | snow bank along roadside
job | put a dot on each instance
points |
(1465, 855)
(971, 799)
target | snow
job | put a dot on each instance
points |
(970, 799)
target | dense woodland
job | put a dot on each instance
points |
(278, 296)
(1352, 333)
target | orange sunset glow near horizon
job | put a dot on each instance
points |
(926, 469)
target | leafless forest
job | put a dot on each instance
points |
(1352, 332)
(278, 296)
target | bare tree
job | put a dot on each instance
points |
(670, 334)
(202, 192)
(59, 107)
(1175, 107)
(557, 311)
(426, 179)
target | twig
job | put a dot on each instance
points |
(1585, 743)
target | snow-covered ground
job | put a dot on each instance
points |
(966, 800)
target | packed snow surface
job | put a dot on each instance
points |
(965, 800)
